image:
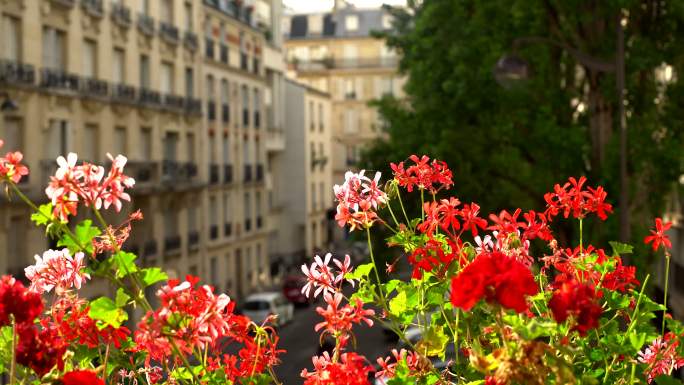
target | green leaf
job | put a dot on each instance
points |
(107, 313)
(434, 342)
(44, 215)
(121, 297)
(84, 232)
(360, 272)
(621, 248)
(152, 275)
(637, 340)
(124, 262)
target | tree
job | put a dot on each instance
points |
(513, 144)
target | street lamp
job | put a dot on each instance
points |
(511, 68)
(8, 105)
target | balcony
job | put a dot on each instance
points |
(257, 119)
(225, 113)
(169, 33)
(227, 173)
(213, 173)
(248, 173)
(245, 118)
(93, 8)
(150, 98)
(94, 87)
(144, 173)
(150, 248)
(175, 172)
(121, 15)
(275, 140)
(211, 110)
(172, 243)
(331, 63)
(59, 80)
(16, 73)
(209, 48)
(213, 231)
(193, 238)
(123, 93)
(64, 3)
(145, 24)
(174, 103)
(260, 172)
(223, 53)
(227, 229)
(190, 41)
(193, 106)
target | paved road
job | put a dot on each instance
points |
(301, 342)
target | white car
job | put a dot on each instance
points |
(260, 305)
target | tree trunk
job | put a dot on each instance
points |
(600, 122)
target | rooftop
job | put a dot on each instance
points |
(334, 24)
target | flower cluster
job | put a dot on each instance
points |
(658, 236)
(423, 174)
(321, 278)
(17, 303)
(58, 270)
(661, 357)
(351, 369)
(358, 199)
(11, 166)
(494, 277)
(89, 184)
(572, 198)
(577, 300)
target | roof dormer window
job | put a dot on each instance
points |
(351, 22)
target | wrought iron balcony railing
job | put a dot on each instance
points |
(227, 173)
(172, 243)
(248, 173)
(16, 73)
(213, 231)
(94, 87)
(213, 173)
(145, 24)
(149, 97)
(169, 32)
(193, 106)
(93, 7)
(121, 15)
(123, 93)
(190, 41)
(58, 79)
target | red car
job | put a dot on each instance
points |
(292, 290)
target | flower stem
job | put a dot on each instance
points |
(667, 278)
(401, 203)
(13, 363)
(183, 358)
(375, 269)
(422, 204)
(580, 225)
(106, 357)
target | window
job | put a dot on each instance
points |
(210, 87)
(351, 122)
(226, 208)
(351, 22)
(226, 149)
(213, 211)
(224, 91)
(188, 16)
(89, 59)
(144, 71)
(166, 85)
(192, 217)
(315, 24)
(146, 143)
(323, 195)
(12, 134)
(144, 7)
(171, 146)
(166, 11)
(11, 38)
(321, 125)
(257, 108)
(257, 203)
(119, 145)
(245, 106)
(246, 156)
(89, 146)
(312, 116)
(248, 211)
(313, 197)
(189, 83)
(54, 48)
(349, 88)
(118, 66)
(190, 144)
(59, 134)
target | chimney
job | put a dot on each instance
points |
(340, 4)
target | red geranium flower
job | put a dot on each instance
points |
(573, 298)
(432, 177)
(17, 300)
(81, 377)
(495, 277)
(40, 350)
(573, 199)
(658, 236)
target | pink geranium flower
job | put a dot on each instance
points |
(58, 270)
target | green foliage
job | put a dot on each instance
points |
(84, 232)
(512, 144)
(43, 216)
(152, 275)
(107, 313)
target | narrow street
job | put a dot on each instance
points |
(301, 342)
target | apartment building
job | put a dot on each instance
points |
(178, 87)
(335, 53)
(305, 179)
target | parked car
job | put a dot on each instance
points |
(292, 290)
(260, 305)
